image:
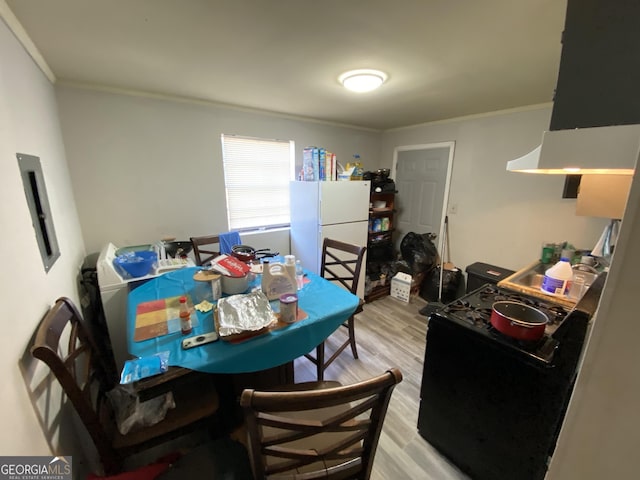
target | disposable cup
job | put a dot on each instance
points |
(577, 288)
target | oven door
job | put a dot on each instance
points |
(492, 414)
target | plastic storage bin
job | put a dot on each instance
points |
(401, 286)
(480, 273)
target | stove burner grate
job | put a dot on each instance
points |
(479, 316)
(459, 306)
(514, 297)
(475, 308)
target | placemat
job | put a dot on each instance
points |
(160, 317)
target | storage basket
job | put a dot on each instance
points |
(401, 287)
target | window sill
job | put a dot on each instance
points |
(261, 231)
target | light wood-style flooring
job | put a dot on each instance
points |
(390, 333)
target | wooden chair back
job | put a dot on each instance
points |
(75, 362)
(203, 248)
(317, 432)
(78, 369)
(342, 263)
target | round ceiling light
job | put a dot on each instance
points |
(362, 80)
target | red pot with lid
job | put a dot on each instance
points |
(518, 320)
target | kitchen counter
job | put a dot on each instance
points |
(528, 280)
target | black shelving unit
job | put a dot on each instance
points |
(380, 250)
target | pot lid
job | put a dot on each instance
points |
(509, 310)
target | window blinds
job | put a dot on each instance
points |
(257, 174)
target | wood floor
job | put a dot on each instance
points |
(390, 334)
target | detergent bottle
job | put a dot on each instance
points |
(557, 279)
(277, 280)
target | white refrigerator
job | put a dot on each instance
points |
(337, 210)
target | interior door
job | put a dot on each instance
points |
(422, 174)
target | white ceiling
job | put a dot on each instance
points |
(445, 58)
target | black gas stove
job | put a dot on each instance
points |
(494, 405)
(473, 311)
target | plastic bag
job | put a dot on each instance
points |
(143, 367)
(419, 251)
(131, 413)
(452, 283)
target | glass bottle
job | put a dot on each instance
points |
(185, 317)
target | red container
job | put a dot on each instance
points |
(518, 320)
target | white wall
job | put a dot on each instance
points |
(502, 217)
(144, 168)
(29, 124)
(601, 433)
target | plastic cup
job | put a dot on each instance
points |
(202, 292)
(216, 288)
(577, 288)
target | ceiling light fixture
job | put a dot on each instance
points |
(362, 80)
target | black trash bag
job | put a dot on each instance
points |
(401, 266)
(419, 251)
(452, 285)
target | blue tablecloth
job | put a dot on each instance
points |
(326, 304)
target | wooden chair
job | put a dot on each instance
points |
(202, 250)
(341, 264)
(81, 373)
(317, 430)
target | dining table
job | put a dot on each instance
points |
(323, 307)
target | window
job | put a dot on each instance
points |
(36, 193)
(256, 175)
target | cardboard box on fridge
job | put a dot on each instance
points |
(346, 174)
(350, 173)
(311, 164)
(401, 286)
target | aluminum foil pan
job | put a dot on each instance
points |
(244, 313)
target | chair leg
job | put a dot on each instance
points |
(352, 336)
(320, 361)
